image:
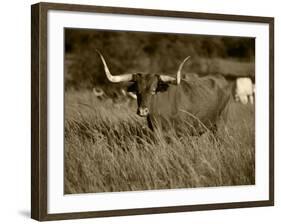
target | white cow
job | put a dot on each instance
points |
(244, 91)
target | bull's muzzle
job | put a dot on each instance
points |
(143, 112)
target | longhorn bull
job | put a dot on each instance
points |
(195, 101)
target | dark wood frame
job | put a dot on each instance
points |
(39, 110)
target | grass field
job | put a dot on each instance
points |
(108, 148)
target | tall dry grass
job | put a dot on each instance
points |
(108, 148)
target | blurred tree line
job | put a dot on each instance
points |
(127, 51)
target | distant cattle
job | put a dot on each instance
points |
(118, 95)
(199, 102)
(99, 93)
(244, 90)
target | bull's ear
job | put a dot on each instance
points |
(162, 86)
(132, 88)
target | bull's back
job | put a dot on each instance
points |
(204, 98)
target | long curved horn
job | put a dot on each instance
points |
(116, 78)
(166, 78)
(179, 70)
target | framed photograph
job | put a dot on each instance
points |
(138, 111)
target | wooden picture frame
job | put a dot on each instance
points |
(39, 110)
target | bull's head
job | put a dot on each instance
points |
(144, 86)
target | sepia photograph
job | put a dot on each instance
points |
(150, 111)
(140, 111)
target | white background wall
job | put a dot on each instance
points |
(15, 111)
